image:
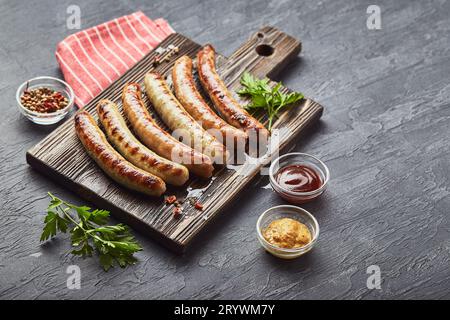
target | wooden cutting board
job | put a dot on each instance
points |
(62, 157)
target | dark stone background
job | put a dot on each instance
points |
(384, 135)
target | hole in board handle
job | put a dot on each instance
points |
(264, 50)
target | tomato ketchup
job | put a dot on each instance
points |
(299, 178)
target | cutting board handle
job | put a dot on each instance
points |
(264, 54)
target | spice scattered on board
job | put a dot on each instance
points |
(43, 100)
(171, 199)
(177, 204)
(170, 50)
(198, 205)
(177, 212)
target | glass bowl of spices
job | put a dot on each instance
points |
(298, 177)
(287, 231)
(45, 100)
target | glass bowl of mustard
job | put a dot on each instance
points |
(298, 177)
(287, 231)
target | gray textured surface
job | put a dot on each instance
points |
(384, 134)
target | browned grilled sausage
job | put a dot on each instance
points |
(222, 98)
(111, 162)
(134, 151)
(177, 119)
(195, 105)
(157, 139)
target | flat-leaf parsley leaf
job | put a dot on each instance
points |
(89, 233)
(263, 96)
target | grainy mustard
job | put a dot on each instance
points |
(287, 233)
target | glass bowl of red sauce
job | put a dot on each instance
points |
(298, 177)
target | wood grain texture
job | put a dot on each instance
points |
(384, 135)
(62, 157)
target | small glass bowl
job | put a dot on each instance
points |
(297, 158)
(51, 83)
(287, 211)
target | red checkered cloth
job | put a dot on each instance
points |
(91, 59)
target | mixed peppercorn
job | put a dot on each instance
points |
(43, 100)
(177, 211)
(160, 51)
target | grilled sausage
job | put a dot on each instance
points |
(178, 120)
(157, 139)
(134, 151)
(111, 162)
(195, 105)
(222, 98)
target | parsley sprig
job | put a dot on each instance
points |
(263, 96)
(89, 233)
